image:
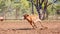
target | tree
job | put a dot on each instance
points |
(38, 4)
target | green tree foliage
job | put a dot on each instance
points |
(20, 7)
(43, 5)
(14, 7)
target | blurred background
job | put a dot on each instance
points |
(15, 9)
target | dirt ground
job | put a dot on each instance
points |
(23, 27)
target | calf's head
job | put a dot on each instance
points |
(25, 16)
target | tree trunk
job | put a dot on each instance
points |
(32, 7)
(39, 13)
(38, 9)
(17, 13)
(45, 13)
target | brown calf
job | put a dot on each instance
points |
(32, 19)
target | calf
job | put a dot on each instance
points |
(32, 19)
